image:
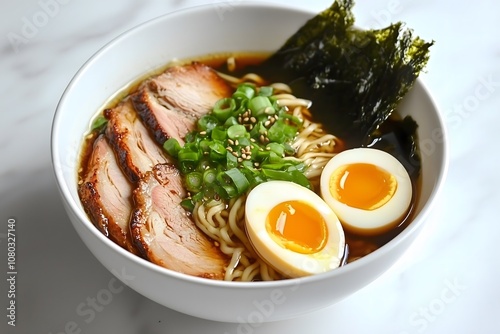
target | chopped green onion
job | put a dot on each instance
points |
(289, 150)
(244, 91)
(248, 165)
(190, 137)
(188, 156)
(266, 91)
(204, 164)
(188, 204)
(257, 179)
(274, 166)
(231, 160)
(274, 158)
(277, 174)
(230, 121)
(236, 147)
(258, 105)
(219, 133)
(263, 155)
(98, 122)
(236, 131)
(204, 145)
(172, 147)
(217, 151)
(239, 180)
(224, 108)
(299, 178)
(187, 166)
(230, 191)
(257, 130)
(209, 176)
(292, 118)
(194, 181)
(279, 149)
(207, 123)
(281, 132)
(197, 197)
(244, 141)
(294, 176)
(301, 167)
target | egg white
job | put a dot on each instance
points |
(259, 203)
(369, 221)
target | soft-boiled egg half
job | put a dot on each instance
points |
(293, 229)
(368, 189)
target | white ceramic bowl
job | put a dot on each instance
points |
(196, 32)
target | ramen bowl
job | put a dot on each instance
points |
(199, 31)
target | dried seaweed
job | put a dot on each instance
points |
(362, 74)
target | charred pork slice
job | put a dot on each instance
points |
(171, 102)
(136, 149)
(165, 233)
(106, 194)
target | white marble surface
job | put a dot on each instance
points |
(447, 283)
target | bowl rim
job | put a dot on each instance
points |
(83, 219)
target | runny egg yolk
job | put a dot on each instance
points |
(297, 226)
(362, 185)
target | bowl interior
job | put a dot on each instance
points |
(242, 27)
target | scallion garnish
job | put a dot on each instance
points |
(244, 141)
(224, 108)
(98, 123)
(236, 131)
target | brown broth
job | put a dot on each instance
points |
(359, 245)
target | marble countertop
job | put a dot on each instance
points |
(446, 283)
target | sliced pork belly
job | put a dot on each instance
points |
(163, 231)
(164, 122)
(136, 150)
(106, 194)
(171, 102)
